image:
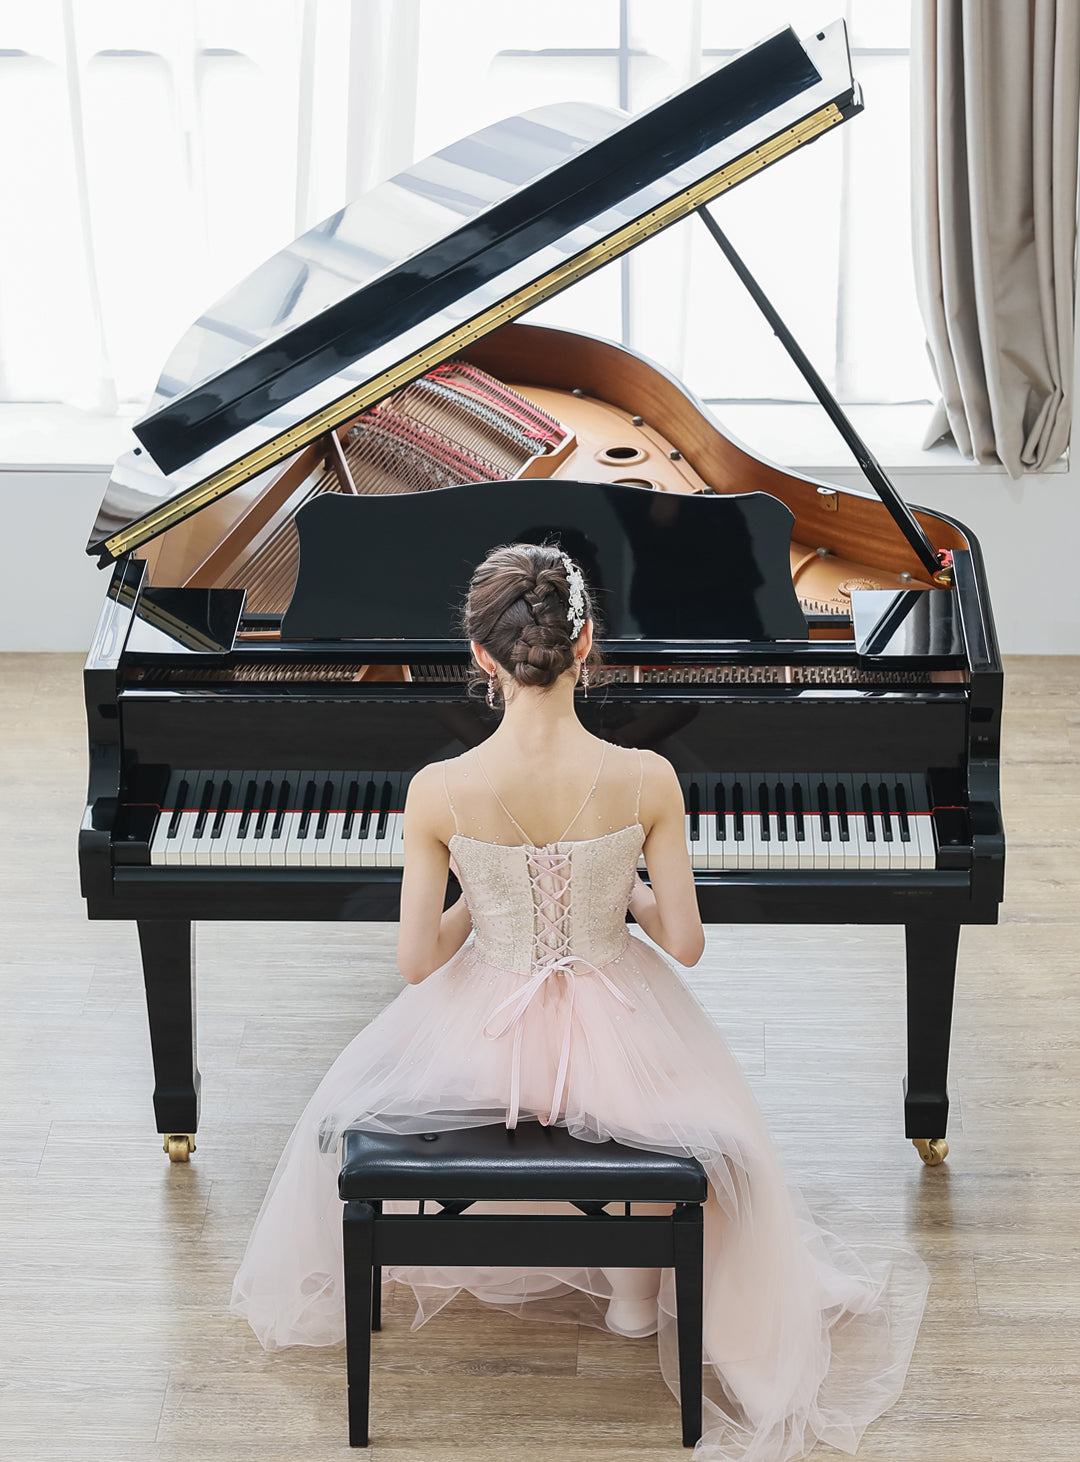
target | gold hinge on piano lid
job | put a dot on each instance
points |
(506, 310)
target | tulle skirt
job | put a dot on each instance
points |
(805, 1336)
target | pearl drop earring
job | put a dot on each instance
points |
(490, 697)
(585, 678)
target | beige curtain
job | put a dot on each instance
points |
(995, 102)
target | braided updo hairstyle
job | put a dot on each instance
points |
(518, 610)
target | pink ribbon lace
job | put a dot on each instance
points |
(552, 908)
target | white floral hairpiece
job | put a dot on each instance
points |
(576, 610)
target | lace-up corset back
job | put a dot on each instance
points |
(532, 905)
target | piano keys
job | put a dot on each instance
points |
(277, 654)
(873, 821)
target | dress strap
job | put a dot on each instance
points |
(513, 819)
(588, 794)
(498, 799)
(640, 778)
(449, 799)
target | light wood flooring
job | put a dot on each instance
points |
(115, 1340)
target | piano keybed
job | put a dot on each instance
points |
(735, 821)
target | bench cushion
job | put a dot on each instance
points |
(530, 1162)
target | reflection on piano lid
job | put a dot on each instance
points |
(484, 231)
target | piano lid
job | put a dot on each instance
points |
(442, 255)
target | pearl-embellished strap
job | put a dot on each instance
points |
(450, 800)
(513, 819)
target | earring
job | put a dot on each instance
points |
(585, 678)
(490, 697)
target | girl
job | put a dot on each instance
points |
(553, 1012)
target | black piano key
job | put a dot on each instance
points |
(798, 812)
(781, 812)
(282, 808)
(245, 812)
(886, 816)
(720, 794)
(867, 799)
(204, 808)
(222, 808)
(265, 804)
(694, 809)
(369, 803)
(351, 800)
(824, 811)
(179, 810)
(385, 800)
(842, 813)
(763, 811)
(737, 810)
(305, 809)
(902, 813)
(324, 808)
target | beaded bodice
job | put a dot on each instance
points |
(530, 905)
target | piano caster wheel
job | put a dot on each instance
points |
(932, 1150)
(179, 1145)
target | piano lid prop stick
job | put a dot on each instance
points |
(901, 514)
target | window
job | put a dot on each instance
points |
(161, 152)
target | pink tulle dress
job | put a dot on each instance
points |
(553, 1011)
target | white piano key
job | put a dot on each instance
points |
(241, 854)
(396, 833)
(222, 850)
(324, 845)
(923, 827)
(790, 849)
(261, 850)
(187, 854)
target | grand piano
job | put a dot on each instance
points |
(334, 445)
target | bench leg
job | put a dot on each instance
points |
(689, 1258)
(376, 1282)
(358, 1226)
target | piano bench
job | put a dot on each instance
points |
(531, 1163)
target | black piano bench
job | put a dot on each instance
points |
(533, 1162)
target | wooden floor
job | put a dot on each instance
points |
(115, 1340)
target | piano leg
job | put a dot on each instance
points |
(168, 959)
(931, 975)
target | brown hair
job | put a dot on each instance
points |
(518, 610)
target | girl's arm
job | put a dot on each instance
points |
(427, 936)
(668, 911)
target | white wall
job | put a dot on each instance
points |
(50, 592)
(1029, 532)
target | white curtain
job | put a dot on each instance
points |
(996, 96)
(154, 155)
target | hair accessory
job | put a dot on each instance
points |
(490, 697)
(585, 678)
(576, 608)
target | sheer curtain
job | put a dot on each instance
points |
(155, 154)
(996, 94)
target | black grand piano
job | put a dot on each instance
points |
(335, 444)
